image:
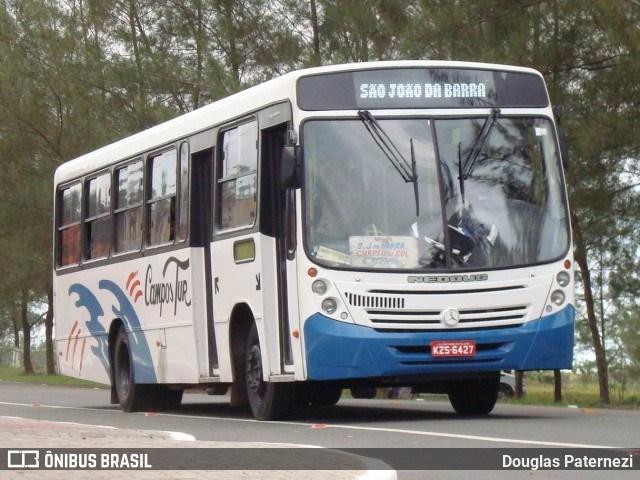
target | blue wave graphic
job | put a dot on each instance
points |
(144, 371)
(89, 301)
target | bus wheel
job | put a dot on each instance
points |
(130, 395)
(363, 392)
(325, 395)
(268, 400)
(475, 396)
(167, 398)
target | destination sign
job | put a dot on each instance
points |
(421, 88)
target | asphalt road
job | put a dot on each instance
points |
(353, 424)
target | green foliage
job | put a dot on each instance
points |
(76, 75)
(576, 392)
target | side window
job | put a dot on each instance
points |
(98, 220)
(184, 191)
(237, 179)
(162, 198)
(69, 227)
(128, 209)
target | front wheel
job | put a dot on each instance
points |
(268, 400)
(475, 396)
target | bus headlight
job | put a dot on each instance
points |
(330, 305)
(319, 287)
(558, 297)
(563, 279)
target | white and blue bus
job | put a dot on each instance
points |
(345, 227)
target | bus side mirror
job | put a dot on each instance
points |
(291, 167)
(564, 148)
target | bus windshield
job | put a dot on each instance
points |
(504, 208)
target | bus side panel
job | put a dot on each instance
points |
(152, 297)
(237, 279)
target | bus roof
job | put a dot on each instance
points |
(235, 106)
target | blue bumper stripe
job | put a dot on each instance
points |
(337, 350)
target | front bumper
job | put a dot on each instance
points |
(336, 350)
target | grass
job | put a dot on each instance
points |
(12, 374)
(580, 394)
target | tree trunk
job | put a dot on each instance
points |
(601, 357)
(16, 327)
(316, 59)
(519, 390)
(48, 322)
(26, 333)
(557, 377)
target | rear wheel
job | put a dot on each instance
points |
(132, 396)
(474, 396)
(325, 395)
(364, 392)
(165, 398)
(505, 391)
(268, 400)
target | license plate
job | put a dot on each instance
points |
(453, 348)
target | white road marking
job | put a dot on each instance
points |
(353, 427)
(183, 437)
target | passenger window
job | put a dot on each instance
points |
(98, 221)
(128, 209)
(237, 180)
(162, 198)
(69, 229)
(184, 191)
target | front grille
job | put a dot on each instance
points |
(420, 310)
(468, 318)
(374, 301)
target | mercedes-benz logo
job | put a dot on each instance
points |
(450, 317)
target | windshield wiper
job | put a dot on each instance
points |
(408, 171)
(466, 168)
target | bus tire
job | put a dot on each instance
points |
(267, 400)
(474, 396)
(132, 396)
(505, 392)
(366, 393)
(325, 395)
(166, 398)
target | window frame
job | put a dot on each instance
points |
(183, 192)
(88, 221)
(221, 181)
(61, 227)
(150, 200)
(117, 210)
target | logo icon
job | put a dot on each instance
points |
(23, 459)
(450, 317)
(133, 286)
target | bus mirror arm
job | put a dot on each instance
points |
(291, 167)
(564, 148)
(558, 111)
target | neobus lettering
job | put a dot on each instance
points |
(479, 277)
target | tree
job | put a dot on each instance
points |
(78, 74)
